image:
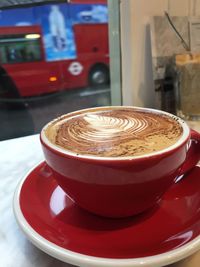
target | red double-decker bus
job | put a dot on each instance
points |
(23, 57)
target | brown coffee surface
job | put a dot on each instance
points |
(115, 132)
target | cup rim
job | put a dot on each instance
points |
(184, 137)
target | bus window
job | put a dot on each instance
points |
(20, 48)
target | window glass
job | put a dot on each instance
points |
(54, 59)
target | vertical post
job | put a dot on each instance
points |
(115, 51)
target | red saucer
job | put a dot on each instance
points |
(57, 219)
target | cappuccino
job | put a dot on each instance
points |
(114, 132)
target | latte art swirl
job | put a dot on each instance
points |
(115, 132)
(99, 128)
(112, 124)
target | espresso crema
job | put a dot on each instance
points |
(114, 132)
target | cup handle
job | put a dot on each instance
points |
(193, 154)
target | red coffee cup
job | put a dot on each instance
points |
(123, 186)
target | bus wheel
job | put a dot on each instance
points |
(99, 75)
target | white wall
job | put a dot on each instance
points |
(137, 80)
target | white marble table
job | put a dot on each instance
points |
(17, 156)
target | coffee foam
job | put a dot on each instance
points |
(114, 132)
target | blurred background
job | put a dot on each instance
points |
(60, 56)
(54, 58)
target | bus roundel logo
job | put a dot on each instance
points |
(75, 68)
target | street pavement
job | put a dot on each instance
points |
(27, 116)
